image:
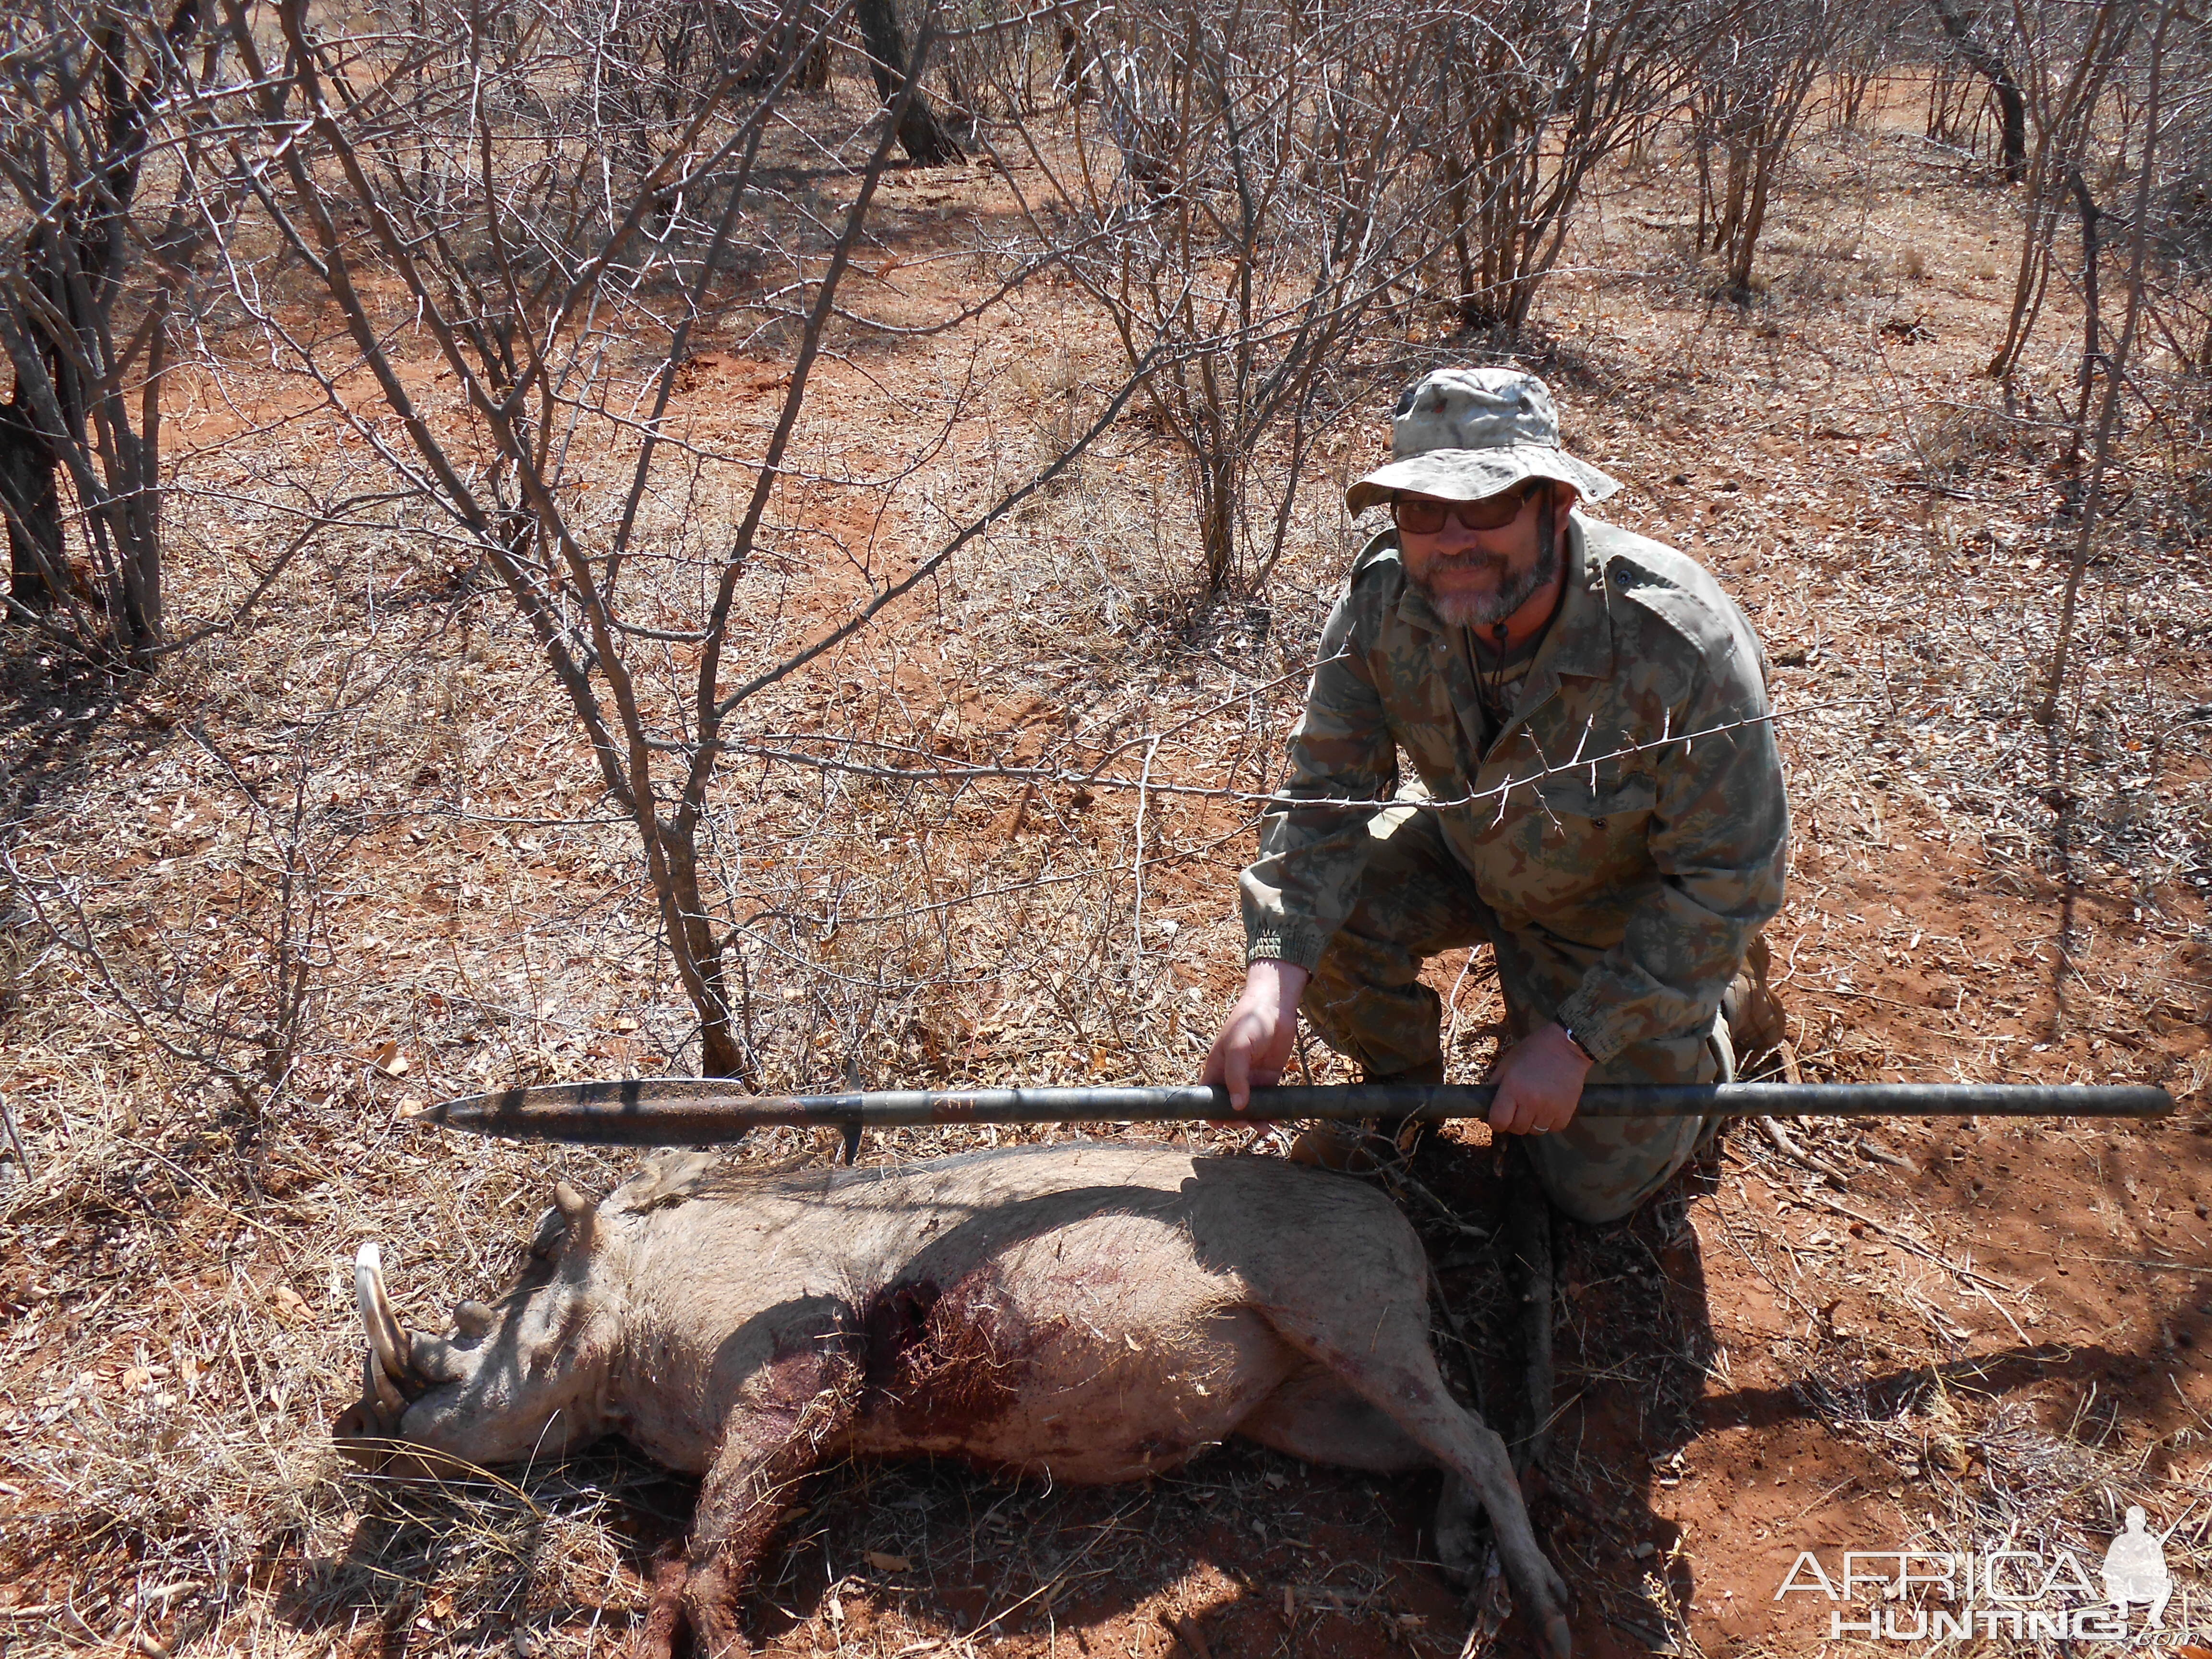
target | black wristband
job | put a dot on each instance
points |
(1581, 1047)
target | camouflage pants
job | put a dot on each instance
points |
(1368, 1002)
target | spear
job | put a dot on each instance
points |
(696, 1111)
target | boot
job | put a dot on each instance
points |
(1756, 1024)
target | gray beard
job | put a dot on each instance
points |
(1477, 609)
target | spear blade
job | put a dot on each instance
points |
(701, 1111)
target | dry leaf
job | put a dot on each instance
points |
(135, 1379)
(289, 1302)
(389, 1061)
(888, 1563)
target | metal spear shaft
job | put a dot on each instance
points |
(696, 1111)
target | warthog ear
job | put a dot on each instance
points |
(577, 1211)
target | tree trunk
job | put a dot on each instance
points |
(1750, 219)
(672, 857)
(2012, 103)
(1074, 75)
(2090, 347)
(2012, 110)
(1216, 515)
(920, 133)
(1455, 202)
(30, 500)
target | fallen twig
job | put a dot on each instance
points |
(1891, 1230)
(1966, 1276)
(1398, 1174)
(2121, 1262)
(1789, 1149)
(1493, 1605)
(7, 1123)
(1869, 996)
(1881, 1154)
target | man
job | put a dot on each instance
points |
(1595, 794)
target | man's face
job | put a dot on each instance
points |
(1472, 578)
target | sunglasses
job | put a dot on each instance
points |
(1425, 518)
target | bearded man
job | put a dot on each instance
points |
(1594, 794)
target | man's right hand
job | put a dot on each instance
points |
(1255, 1041)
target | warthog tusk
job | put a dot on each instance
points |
(376, 1386)
(387, 1339)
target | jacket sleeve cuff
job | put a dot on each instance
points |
(1602, 1032)
(1299, 945)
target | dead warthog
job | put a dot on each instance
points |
(1091, 1311)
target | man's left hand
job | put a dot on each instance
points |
(1540, 1083)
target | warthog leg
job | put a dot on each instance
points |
(666, 1610)
(1394, 1369)
(795, 1407)
(1457, 1526)
(1317, 1417)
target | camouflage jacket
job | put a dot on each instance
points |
(1591, 821)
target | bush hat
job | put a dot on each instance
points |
(1462, 434)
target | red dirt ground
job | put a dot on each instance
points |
(1990, 1325)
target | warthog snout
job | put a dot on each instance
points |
(493, 1386)
(392, 1373)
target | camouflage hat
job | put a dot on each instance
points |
(1462, 434)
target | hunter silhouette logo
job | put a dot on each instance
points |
(2134, 1570)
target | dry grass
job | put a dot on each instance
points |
(174, 1325)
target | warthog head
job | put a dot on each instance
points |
(525, 1377)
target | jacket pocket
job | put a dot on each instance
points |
(1605, 798)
